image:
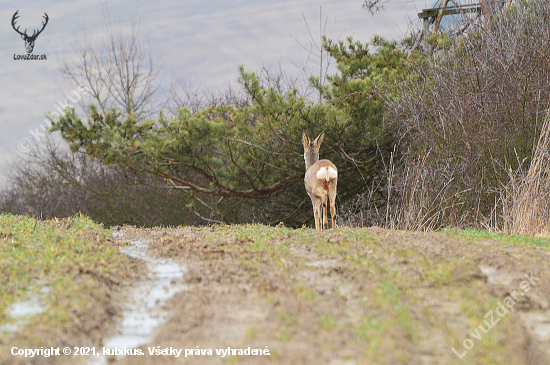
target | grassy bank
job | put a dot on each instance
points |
(64, 272)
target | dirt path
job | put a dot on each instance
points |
(350, 296)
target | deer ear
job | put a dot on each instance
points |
(319, 140)
(305, 141)
(23, 36)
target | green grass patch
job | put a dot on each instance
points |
(287, 327)
(482, 234)
(306, 292)
(327, 322)
(255, 237)
(402, 312)
(57, 262)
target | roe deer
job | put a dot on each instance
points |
(321, 178)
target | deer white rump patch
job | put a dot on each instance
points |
(322, 173)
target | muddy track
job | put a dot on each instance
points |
(369, 296)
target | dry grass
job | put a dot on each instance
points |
(525, 203)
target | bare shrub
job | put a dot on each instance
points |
(52, 181)
(468, 116)
(424, 198)
(357, 213)
(120, 71)
(417, 197)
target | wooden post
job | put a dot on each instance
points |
(438, 13)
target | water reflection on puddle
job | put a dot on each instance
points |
(144, 311)
(22, 311)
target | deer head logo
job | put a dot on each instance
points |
(29, 40)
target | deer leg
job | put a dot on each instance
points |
(332, 196)
(316, 216)
(325, 220)
(333, 213)
(314, 201)
(319, 225)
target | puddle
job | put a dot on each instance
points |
(494, 277)
(28, 308)
(145, 312)
(324, 264)
(538, 324)
(21, 311)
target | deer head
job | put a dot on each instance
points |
(29, 40)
